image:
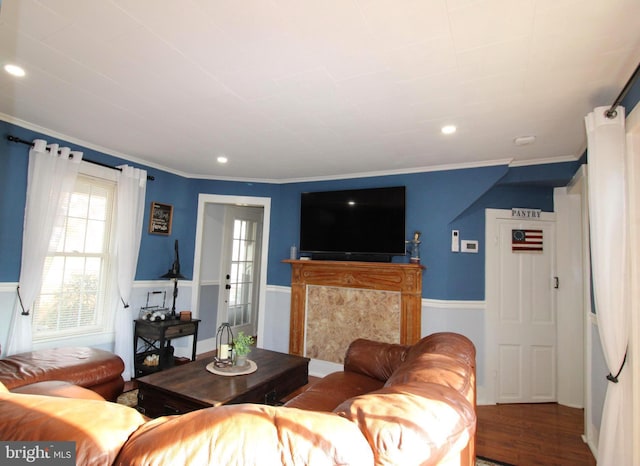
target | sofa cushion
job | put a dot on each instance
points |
(447, 343)
(327, 393)
(417, 423)
(99, 428)
(374, 359)
(248, 434)
(83, 366)
(442, 358)
(435, 368)
(58, 388)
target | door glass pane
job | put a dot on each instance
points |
(242, 267)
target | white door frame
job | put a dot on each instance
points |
(578, 186)
(571, 295)
(492, 216)
(265, 203)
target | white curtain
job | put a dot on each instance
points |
(50, 179)
(633, 167)
(132, 185)
(610, 245)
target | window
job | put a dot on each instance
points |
(74, 295)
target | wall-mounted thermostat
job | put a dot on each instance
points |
(469, 245)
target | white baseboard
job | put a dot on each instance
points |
(205, 346)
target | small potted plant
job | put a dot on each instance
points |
(242, 347)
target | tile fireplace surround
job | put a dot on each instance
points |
(335, 302)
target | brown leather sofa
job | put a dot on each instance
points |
(392, 405)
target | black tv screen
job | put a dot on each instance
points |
(356, 224)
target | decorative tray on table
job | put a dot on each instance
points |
(248, 368)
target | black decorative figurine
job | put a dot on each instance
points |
(174, 274)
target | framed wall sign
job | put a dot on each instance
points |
(160, 218)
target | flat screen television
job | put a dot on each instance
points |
(356, 224)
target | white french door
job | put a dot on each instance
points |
(240, 272)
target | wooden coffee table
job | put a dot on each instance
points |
(190, 386)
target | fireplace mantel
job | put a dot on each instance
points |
(403, 278)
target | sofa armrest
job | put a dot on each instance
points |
(373, 358)
(416, 423)
(98, 428)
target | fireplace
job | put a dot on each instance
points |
(333, 303)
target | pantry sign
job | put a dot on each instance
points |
(528, 214)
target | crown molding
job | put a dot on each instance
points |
(346, 176)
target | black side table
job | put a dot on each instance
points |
(154, 339)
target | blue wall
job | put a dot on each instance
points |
(13, 182)
(632, 98)
(437, 202)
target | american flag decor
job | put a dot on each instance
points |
(526, 240)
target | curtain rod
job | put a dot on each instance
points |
(612, 113)
(29, 143)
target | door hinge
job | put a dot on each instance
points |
(556, 282)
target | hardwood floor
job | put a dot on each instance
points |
(532, 434)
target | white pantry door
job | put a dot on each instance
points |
(521, 311)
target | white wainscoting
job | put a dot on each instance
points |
(8, 299)
(465, 317)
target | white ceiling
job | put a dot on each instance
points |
(301, 89)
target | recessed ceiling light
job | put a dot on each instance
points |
(222, 159)
(14, 70)
(448, 129)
